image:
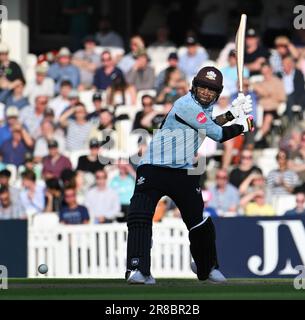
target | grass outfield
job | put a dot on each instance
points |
(176, 289)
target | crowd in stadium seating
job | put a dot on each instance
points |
(57, 119)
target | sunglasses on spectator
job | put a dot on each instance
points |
(247, 157)
(222, 177)
(101, 177)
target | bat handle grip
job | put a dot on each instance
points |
(240, 94)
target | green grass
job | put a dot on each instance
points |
(171, 289)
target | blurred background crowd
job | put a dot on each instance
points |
(56, 155)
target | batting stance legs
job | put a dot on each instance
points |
(152, 183)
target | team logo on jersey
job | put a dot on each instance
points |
(140, 181)
(201, 118)
(211, 75)
(198, 190)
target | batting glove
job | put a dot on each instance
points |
(241, 105)
(246, 122)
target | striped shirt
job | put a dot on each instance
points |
(78, 135)
(276, 179)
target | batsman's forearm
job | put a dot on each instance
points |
(224, 118)
(231, 132)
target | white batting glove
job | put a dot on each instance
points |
(246, 122)
(241, 105)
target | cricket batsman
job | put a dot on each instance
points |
(165, 170)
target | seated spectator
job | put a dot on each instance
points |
(121, 93)
(14, 149)
(61, 102)
(32, 194)
(42, 84)
(30, 164)
(94, 161)
(10, 209)
(128, 61)
(98, 105)
(293, 80)
(102, 202)
(87, 61)
(54, 163)
(48, 132)
(15, 96)
(5, 176)
(105, 75)
(193, 59)
(162, 38)
(12, 115)
(63, 70)
(255, 54)
(72, 212)
(296, 161)
(141, 75)
(123, 184)
(32, 116)
(244, 170)
(271, 94)
(106, 37)
(224, 196)
(54, 196)
(10, 71)
(282, 181)
(300, 206)
(78, 130)
(258, 206)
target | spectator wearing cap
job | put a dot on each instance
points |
(12, 115)
(10, 209)
(87, 61)
(32, 194)
(78, 129)
(32, 116)
(48, 132)
(14, 149)
(60, 103)
(102, 202)
(191, 61)
(63, 69)
(141, 75)
(42, 84)
(94, 161)
(121, 93)
(255, 54)
(9, 70)
(15, 96)
(127, 62)
(105, 75)
(98, 105)
(230, 73)
(54, 163)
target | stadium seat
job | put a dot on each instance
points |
(86, 98)
(14, 174)
(45, 220)
(131, 111)
(74, 156)
(283, 203)
(31, 62)
(158, 57)
(116, 53)
(267, 160)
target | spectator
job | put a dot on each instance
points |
(106, 37)
(15, 96)
(63, 69)
(61, 102)
(32, 194)
(294, 84)
(29, 164)
(141, 75)
(123, 184)
(121, 93)
(102, 202)
(54, 163)
(224, 196)
(98, 105)
(271, 94)
(78, 130)
(32, 116)
(128, 61)
(14, 149)
(105, 75)
(73, 99)
(282, 181)
(258, 205)
(94, 161)
(296, 161)
(300, 205)
(162, 38)
(87, 61)
(5, 176)
(244, 170)
(9, 70)
(72, 212)
(12, 115)
(42, 84)
(255, 54)
(193, 59)
(54, 196)
(8, 208)
(47, 129)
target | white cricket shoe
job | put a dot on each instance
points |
(136, 277)
(215, 275)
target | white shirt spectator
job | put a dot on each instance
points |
(36, 203)
(58, 105)
(33, 89)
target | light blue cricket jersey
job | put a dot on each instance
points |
(177, 141)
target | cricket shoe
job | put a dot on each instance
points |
(215, 275)
(136, 277)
